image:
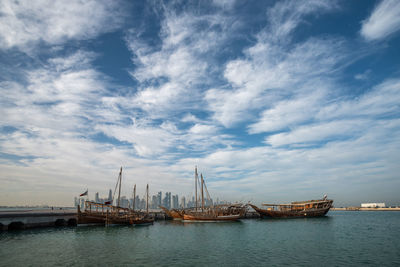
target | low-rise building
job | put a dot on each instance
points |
(373, 205)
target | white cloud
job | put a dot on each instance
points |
(227, 4)
(381, 100)
(313, 134)
(363, 76)
(23, 23)
(341, 119)
(203, 129)
(147, 140)
(285, 16)
(190, 118)
(273, 68)
(269, 73)
(57, 96)
(384, 21)
(288, 113)
(173, 75)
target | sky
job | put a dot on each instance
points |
(273, 101)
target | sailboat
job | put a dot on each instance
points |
(144, 218)
(211, 213)
(98, 213)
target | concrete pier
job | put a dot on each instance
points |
(15, 220)
(25, 219)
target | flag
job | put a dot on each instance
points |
(84, 194)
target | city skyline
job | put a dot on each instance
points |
(273, 101)
(155, 201)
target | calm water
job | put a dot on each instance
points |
(342, 238)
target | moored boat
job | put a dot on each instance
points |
(211, 213)
(97, 213)
(298, 209)
(106, 214)
(173, 213)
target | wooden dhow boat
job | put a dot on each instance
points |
(211, 213)
(144, 218)
(298, 209)
(107, 214)
(173, 213)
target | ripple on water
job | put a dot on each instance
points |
(345, 238)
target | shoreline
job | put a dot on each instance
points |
(365, 209)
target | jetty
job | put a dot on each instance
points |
(23, 219)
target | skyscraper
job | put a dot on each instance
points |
(159, 198)
(175, 201)
(167, 200)
(154, 202)
(183, 202)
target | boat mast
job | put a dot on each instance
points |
(208, 195)
(119, 190)
(147, 198)
(202, 192)
(195, 184)
(134, 197)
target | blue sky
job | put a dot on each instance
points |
(273, 101)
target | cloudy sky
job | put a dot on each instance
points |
(273, 101)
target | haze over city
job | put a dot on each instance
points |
(273, 101)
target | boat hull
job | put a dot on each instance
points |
(174, 214)
(291, 213)
(143, 221)
(210, 217)
(90, 219)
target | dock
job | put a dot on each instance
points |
(24, 219)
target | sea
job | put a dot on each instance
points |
(342, 238)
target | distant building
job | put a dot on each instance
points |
(124, 202)
(175, 201)
(373, 205)
(96, 197)
(159, 199)
(167, 200)
(82, 203)
(154, 202)
(183, 202)
(137, 202)
(110, 195)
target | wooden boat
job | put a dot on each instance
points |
(173, 213)
(97, 213)
(91, 217)
(106, 214)
(144, 218)
(299, 209)
(212, 213)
